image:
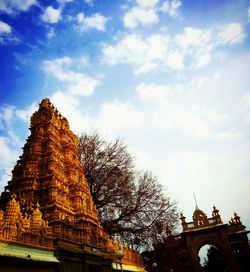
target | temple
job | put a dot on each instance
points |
(179, 252)
(48, 220)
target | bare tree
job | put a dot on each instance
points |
(131, 204)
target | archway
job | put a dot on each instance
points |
(211, 258)
(230, 238)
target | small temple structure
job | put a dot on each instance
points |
(48, 220)
(180, 252)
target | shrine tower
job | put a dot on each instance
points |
(48, 204)
(49, 173)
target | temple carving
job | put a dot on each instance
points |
(47, 204)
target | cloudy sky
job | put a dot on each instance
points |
(169, 77)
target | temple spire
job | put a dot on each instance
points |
(196, 206)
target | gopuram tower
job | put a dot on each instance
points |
(48, 184)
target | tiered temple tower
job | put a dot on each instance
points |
(48, 180)
(49, 172)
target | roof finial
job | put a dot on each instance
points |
(196, 206)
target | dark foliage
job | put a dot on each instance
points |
(214, 261)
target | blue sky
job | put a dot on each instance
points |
(171, 78)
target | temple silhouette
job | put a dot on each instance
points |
(179, 252)
(48, 220)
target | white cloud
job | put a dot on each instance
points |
(81, 84)
(84, 60)
(202, 59)
(131, 49)
(246, 99)
(169, 113)
(193, 48)
(200, 44)
(171, 8)
(12, 6)
(193, 165)
(55, 67)
(147, 67)
(230, 135)
(51, 15)
(139, 16)
(9, 114)
(6, 34)
(24, 114)
(200, 38)
(153, 93)
(95, 21)
(230, 34)
(196, 123)
(193, 37)
(51, 33)
(144, 54)
(5, 28)
(8, 157)
(248, 14)
(117, 116)
(145, 13)
(10, 143)
(6, 116)
(204, 124)
(206, 171)
(64, 1)
(6, 153)
(89, 2)
(67, 102)
(75, 83)
(147, 3)
(214, 116)
(196, 43)
(164, 113)
(175, 60)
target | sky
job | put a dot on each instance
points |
(169, 77)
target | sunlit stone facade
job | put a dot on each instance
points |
(48, 204)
